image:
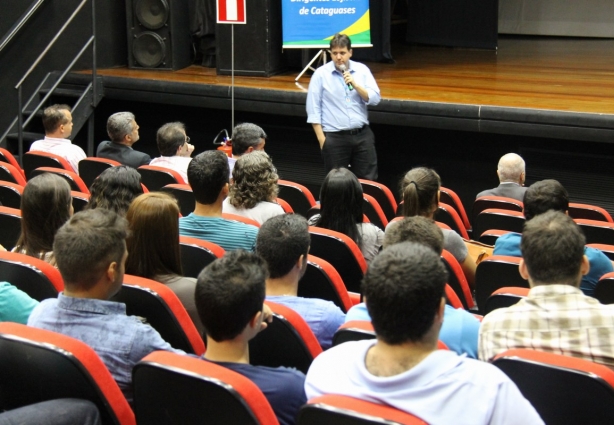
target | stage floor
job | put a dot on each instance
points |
(536, 86)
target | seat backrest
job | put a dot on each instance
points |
(155, 178)
(38, 279)
(10, 194)
(382, 195)
(79, 200)
(597, 231)
(448, 215)
(174, 389)
(501, 202)
(286, 341)
(457, 280)
(505, 297)
(344, 410)
(6, 156)
(11, 174)
(372, 209)
(589, 212)
(452, 299)
(563, 390)
(490, 236)
(10, 226)
(354, 330)
(342, 253)
(163, 311)
(604, 290)
(608, 250)
(497, 271)
(297, 195)
(75, 182)
(448, 196)
(240, 218)
(494, 218)
(92, 167)
(285, 205)
(38, 365)
(37, 159)
(184, 195)
(321, 280)
(196, 254)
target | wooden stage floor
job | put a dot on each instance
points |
(531, 85)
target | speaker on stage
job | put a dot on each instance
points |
(257, 43)
(158, 34)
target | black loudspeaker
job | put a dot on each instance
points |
(257, 43)
(158, 34)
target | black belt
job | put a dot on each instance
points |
(353, 132)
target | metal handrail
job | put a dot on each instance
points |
(20, 23)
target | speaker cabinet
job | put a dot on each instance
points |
(158, 34)
(257, 43)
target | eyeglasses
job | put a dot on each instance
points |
(187, 139)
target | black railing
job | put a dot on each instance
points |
(20, 23)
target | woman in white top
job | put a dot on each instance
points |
(341, 211)
(254, 189)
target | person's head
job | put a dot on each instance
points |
(229, 294)
(254, 180)
(420, 192)
(341, 49)
(57, 121)
(543, 196)
(341, 203)
(172, 138)
(46, 204)
(115, 188)
(415, 229)
(90, 248)
(247, 137)
(283, 241)
(154, 236)
(552, 247)
(404, 289)
(511, 169)
(122, 128)
(208, 176)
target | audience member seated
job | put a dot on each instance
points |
(15, 305)
(46, 204)
(153, 245)
(57, 121)
(208, 177)
(511, 172)
(63, 411)
(283, 243)
(420, 194)
(246, 137)
(404, 288)
(123, 132)
(556, 316)
(254, 188)
(460, 328)
(541, 197)
(229, 297)
(90, 251)
(114, 189)
(175, 148)
(341, 210)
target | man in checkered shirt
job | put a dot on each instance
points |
(556, 316)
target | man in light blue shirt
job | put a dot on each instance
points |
(283, 242)
(90, 251)
(337, 100)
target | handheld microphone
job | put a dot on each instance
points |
(343, 70)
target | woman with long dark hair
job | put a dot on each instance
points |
(341, 210)
(115, 188)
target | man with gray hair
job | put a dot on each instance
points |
(175, 149)
(123, 132)
(246, 138)
(511, 172)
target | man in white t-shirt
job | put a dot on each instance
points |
(175, 149)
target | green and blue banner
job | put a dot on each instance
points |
(312, 23)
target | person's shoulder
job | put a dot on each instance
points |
(487, 192)
(597, 256)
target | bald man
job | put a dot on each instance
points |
(511, 172)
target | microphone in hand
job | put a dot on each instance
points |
(343, 71)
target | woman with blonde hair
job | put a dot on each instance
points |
(153, 247)
(254, 189)
(46, 204)
(420, 194)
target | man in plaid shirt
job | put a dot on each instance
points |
(556, 316)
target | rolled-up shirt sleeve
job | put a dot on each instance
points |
(372, 88)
